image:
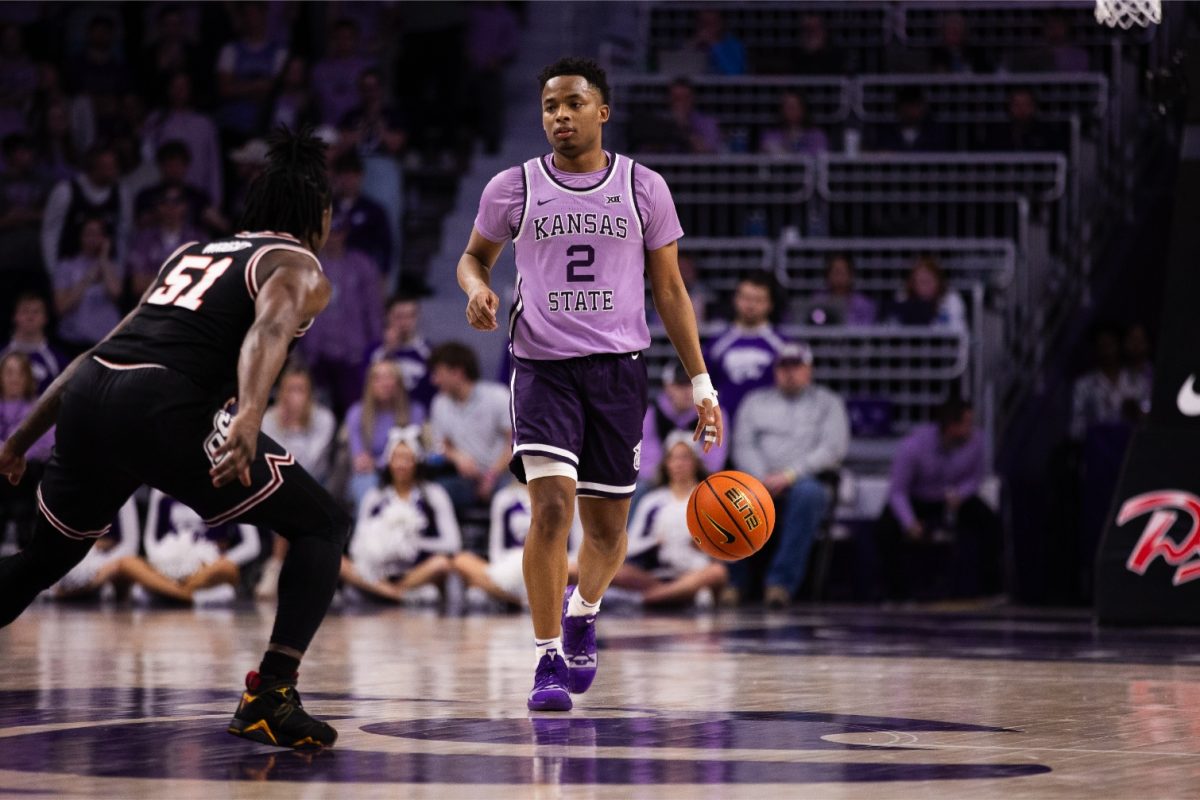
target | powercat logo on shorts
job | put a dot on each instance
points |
(1164, 508)
(220, 433)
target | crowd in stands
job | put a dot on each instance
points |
(683, 128)
(114, 156)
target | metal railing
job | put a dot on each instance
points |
(737, 195)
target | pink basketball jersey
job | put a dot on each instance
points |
(580, 267)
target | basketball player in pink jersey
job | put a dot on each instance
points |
(586, 226)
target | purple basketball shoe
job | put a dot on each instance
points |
(579, 647)
(550, 685)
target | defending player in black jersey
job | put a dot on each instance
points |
(153, 403)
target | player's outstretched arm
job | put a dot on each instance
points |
(675, 309)
(475, 275)
(294, 293)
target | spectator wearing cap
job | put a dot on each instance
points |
(337, 342)
(179, 121)
(934, 496)
(368, 229)
(670, 411)
(787, 436)
(171, 229)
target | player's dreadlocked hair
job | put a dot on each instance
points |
(293, 192)
(592, 72)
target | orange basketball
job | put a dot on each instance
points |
(730, 515)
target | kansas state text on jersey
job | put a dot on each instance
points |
(580, 242)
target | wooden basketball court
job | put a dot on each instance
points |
(133, 703)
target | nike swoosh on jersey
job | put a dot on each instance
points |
(1188, 400)
(543, 202)
(729, 539)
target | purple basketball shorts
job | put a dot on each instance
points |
(585, 411)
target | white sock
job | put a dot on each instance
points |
(546, 645)
(578, 607)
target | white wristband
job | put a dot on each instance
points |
(702, 389)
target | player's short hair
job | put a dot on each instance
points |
(292, 193)
(587, 69)
(456, 355)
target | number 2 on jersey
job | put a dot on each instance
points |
(179, 279)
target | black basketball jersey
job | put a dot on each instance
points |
(199, 310)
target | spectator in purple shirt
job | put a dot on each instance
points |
(373, 127)
(246, 71)
(100, 70)
(293, 101)
(934, 497)
(493, 35)
(179, 121)
(30, 316)
(795, 132)
(838, 303)
(87, 289)
(404, 344)
(1056, 53)
(23, 191)
(368, 229)
(154, 244)
(18, 394)
(335, 77)
(170, 49)
(682, 129)
(174, 165)
(18, 79)
(740, 358)
(339, 338)
(384, 406)
(672, 410)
